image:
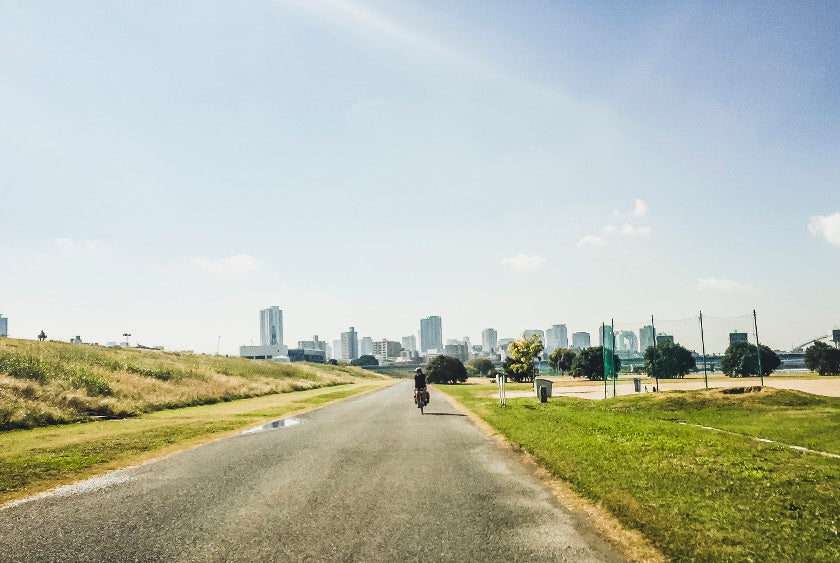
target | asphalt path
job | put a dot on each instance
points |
(365, 479)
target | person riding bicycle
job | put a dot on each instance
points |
(420, 385)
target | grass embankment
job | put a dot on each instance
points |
(35, 460)
(45, 383)
(696, 494)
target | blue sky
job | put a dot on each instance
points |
(168, 169)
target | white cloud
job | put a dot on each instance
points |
(233, 265)
(523, 263)
(607, 230)
(641, 208)
(826, 225)
(719, 285)
(590, 239)
(631, 231)
(66, 242)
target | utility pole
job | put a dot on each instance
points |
(758, 348)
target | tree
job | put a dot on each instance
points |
(561, 359)
(364, 361)
(481, 366)
(42, 336)
(445, 369)
(741, 360)
(590, 363)
(332, 362)
(521, 355)
(823, 359)
(668, 360)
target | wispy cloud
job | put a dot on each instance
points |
(236, 265)
(641, 208)
(631, 231)
(90, 245)
(524, 263)
(720, 285)
(590, 239)
(827, 226)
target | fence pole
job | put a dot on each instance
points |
(653, 361)
(758, 348)
(612, 367)
(604, 355)
(703, 344)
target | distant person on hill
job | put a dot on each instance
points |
(420, 384)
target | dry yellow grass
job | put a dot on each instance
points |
(43, 383)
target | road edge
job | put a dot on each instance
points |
(631, 543)
(146, 458)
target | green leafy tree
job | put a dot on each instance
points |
(519, 366)
(823, 359)
(590, 364)
(741, 360)
(481, 366)
(668, 360)
(561, 359)
(445, 369)
(365, 360)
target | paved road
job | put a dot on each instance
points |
(366, 479)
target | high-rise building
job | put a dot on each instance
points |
(556, 337)
(387, 349)
(366, 346)
(336, 350)
(663, 338)
(627, 342)
(4, 326)
(646, 334)
(529, 333)
(580, 340)
(271, 326)
(350, 345)
(409, 344)
(313, 344)
(431, 334)
(489, 340)
(457, 349)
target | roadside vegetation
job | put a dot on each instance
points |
(46, 383)
(697, 494)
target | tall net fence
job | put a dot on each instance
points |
(706, 337)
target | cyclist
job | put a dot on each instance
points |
(420, 385)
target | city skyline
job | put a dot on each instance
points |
(589, 162)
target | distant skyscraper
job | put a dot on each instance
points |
(580, 340)
(366, 346)
(409, 343)
(556, 337)
(387, 349)
(313, 344)
(350, 345)
(4, 326)
(336, 349)
(645, 338)
(271, 326)
(663, 338)
(489, 339)
(529, 333)
(431, 334)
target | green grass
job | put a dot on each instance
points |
(38, 459)
(698, 495)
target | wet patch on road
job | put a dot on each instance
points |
(282, 423)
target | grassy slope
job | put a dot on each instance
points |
(39, 459)
(44, 383)
(696, 494)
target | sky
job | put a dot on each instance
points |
(169, 169)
